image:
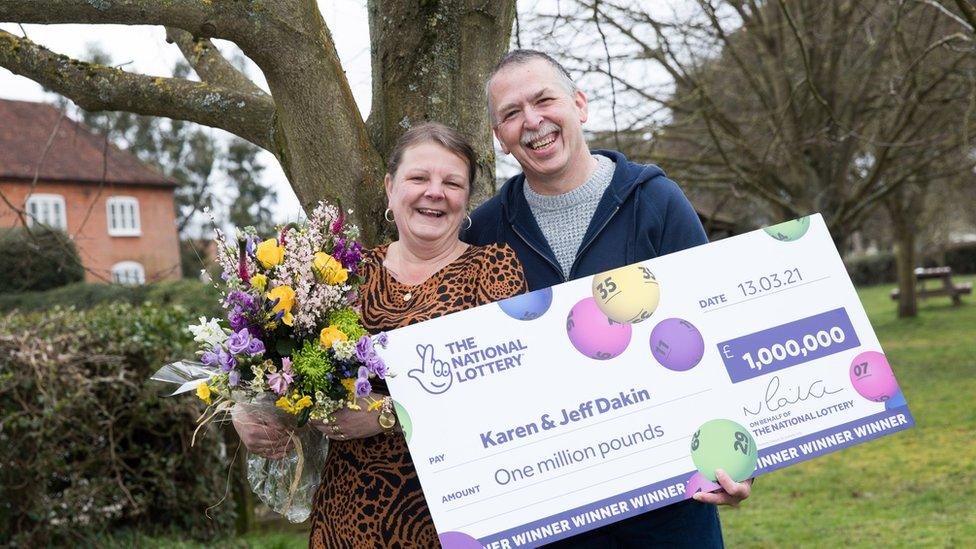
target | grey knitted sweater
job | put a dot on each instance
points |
(565, 217)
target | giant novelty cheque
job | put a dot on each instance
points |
(565, 409)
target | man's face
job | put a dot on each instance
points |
(537, 120)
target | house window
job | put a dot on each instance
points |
(129, 273)
(46, 209)
(123, 216)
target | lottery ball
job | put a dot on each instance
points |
(724, 444)
(872, 377)
(896, 401)
(677, 344)
(788, 231)
(593, 334)
(628, 294)
(527, 306)
(458, 540)
(697, 483)
(403, 418)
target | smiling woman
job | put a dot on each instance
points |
(370, 495)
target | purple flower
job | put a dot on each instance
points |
(252, 246)
(378, 367)
(239, 341)
(238, 297)
(382, 339)
(225, 360)
(255, 347)
(364, 348)
(280, 381)
(209, 358)
(362, 386)
(234, 378)
(236, 318)
(347, 253)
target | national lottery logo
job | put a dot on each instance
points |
(463, 361)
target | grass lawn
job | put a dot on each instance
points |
(906, 490)
(910, 489)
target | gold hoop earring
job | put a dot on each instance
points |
(388, 215)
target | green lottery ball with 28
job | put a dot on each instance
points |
(724, 444)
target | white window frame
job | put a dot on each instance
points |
(53, 202)
(129, 273)
(119, 203)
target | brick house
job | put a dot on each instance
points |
(120, 213)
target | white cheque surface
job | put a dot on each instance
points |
(528, 431)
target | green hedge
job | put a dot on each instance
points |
(881, 269)
(197, 297)
(962, 258)
(37, 260)
(87, 445)
(872, 269)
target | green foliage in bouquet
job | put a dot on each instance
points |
(313, 364)
(86, 445)
(348, 322)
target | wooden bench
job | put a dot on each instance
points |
(948, 288)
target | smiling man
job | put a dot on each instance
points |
(572, 213)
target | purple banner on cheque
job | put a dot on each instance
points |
(788, 345)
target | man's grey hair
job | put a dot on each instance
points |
(521, 57)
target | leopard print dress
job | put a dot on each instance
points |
(370, 495)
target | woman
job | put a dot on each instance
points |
(370, 495)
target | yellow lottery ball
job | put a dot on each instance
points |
(627, 294)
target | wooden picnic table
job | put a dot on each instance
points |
(948, 288)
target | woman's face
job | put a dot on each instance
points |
(428, 194)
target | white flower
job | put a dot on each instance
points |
(208, 332)
(344, 350)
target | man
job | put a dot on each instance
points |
(574, 213)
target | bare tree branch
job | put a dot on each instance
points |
(205, 18)
(209, 64)
(95, 87)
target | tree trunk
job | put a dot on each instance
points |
(904, 231)
(430, 61)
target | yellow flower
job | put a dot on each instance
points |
(286, 300)
(328, 269)
(300, 404)
(269, 253)
(285, 405)
(203, 392)
(375, 405)
(330, 335)
(259, 281)
(350, 385)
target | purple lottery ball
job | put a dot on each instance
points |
(677, 344)
(872, 377)
(527, 306)
(458, 540)
(698, 483)
(593, 334)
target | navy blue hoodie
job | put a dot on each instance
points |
(643, 214)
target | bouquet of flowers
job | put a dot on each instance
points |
(291, 347)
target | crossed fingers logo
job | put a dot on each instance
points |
(433, 375)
